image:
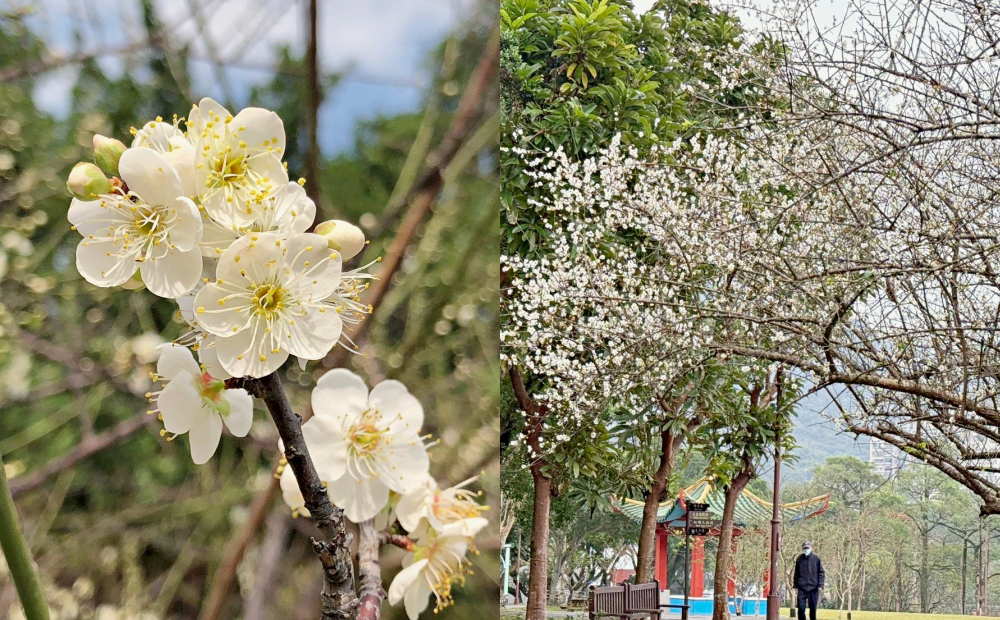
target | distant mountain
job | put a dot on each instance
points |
(818, 438)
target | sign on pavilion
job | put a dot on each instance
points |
(699, 508)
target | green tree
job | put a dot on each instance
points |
(754, 416)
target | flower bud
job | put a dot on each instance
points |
(107, 152)
(344, 237)
(86, 181)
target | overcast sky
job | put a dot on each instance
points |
(382, 44)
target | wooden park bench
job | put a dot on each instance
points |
(626, 602)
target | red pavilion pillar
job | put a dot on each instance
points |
(698, 566)
(662, 549)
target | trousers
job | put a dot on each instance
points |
(809, 598)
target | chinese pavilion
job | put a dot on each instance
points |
(752, 513)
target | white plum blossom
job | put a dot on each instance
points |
(435, 566)
(364, 445)
(207, 217)
(152, 228)
(290, 492)
(285, 212)
(269, 301)
(237, 160)
(196, 403)
(429, 505)
(169, 140)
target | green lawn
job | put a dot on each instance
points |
(833, 614)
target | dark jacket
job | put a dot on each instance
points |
(809, 573)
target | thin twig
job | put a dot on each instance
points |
(84, 449)
(425, 190)
(397, 540)
(372, 592)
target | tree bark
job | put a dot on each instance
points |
(925, 571)
(965, 564)
(647, 532)
(561, 550)
(538, 564)
(670, 442)
(272, 551)
(372, 593)
(723, 557)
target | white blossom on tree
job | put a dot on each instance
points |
(194, 402)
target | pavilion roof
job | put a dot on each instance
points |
(751, 511)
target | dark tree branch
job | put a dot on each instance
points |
(339, 599)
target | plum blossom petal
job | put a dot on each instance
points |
(175, 359)
(340, 394)
(240, 417)
(205, 433)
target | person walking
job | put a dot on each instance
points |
(808, 581)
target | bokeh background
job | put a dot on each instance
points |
(122, 524)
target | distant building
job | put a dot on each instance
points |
(621, 575)
(885, 458)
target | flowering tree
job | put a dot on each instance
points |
(207, 217)
(574, 75)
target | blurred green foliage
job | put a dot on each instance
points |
(136, 529)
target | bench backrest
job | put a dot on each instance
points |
(641, 597)
(610, 600)
(624, 599)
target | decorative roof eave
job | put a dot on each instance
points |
(751, 510)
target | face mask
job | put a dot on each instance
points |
(807, 551)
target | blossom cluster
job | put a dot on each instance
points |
(769, 244)
(370, 455)
(201, 211)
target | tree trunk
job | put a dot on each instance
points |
(724, 554)
(980, 570)
(538, 565)
(925, 574)
(647, 532)
(555, 577)
(986, 573)
(965, 564)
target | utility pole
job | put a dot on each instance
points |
(773, 598)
